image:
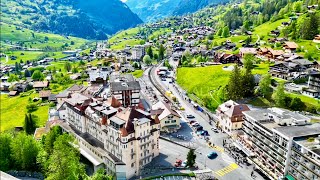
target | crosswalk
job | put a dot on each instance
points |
(217, 148)
(226, 170)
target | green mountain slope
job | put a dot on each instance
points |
(92, 19)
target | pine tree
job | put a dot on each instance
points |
(149, 52)
(191, 158)
(248, 83)
(234, 88)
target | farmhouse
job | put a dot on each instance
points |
(40, 85)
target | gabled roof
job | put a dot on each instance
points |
(40, 84)
(291, 45)
(166, 110)
(44, 94)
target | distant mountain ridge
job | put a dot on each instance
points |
(190, 6)
(90, 19)
(151, 10)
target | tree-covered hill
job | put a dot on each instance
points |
(93, 19)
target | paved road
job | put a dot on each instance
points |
(223, 166)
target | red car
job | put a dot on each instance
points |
(178, 163)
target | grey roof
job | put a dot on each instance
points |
(143, 120)
(302, 62)
(93, 75)
(111, 111)
(298, 131)
(117, 120)
(121, 77)
(63, 94)
(122, 86)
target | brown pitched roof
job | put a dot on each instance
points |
(291, 45)
(40, 84)
(13, 93)
(115, 103)
(44, 94)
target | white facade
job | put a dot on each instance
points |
(110, 139)
(275, 137)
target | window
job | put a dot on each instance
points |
(167, 122)
(173, 121)
(132, 164)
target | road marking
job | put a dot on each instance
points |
(226, 170)
(217, 148)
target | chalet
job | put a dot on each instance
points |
(275, 32)
(21, 87)
(13, 93)
(230, 115)
(255, 12)
(317, 38)
(44, 95)
(312, 7)
(262, 51)
(274, 54)
(291, 46)
(313, 89)
(40, 85)
(287, 70)
(285, 23)
(169, 118)
(244, 51)
(230, 45)
(303, 62)
(249, 33)
(227, 58)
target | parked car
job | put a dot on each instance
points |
(199, 128)
(184, 163)
(192, 122)
(215, 130)
(212, 155)
(163, 79)
(199, 132)
(204, 133)
(190, 116)
(178, 163)
(195, 124)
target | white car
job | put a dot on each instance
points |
(184, 163)
(190, 116)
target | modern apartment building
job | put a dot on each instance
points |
(125, 89)
(274, 137)
(138, 51)
(121, 140)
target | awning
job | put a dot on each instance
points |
(289, 177)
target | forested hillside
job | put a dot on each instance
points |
(92, 19)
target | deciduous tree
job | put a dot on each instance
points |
(24, 152)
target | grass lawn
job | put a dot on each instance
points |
(13, 110)
(137, 73)
(264, 29)
(307, 100)
(35, 39)
(200, 81)
(22, 55)
(123, 43)
(124, 34)
(261, 69)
